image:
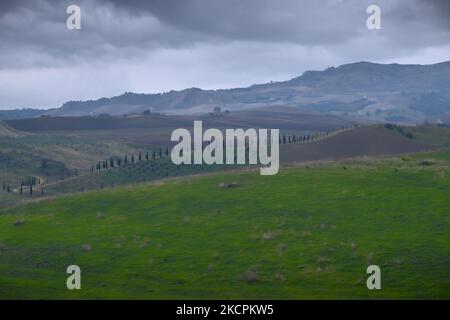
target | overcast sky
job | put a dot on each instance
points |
(159, 45)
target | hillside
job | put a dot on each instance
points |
(373, 141)
(305, 233)
(156, 129)
(392, 92)
(7, 131)
(363, 141)
(50, 157)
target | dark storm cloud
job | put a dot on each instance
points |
(288, 20)
(255, 20)
(159, 45)
(170, 23)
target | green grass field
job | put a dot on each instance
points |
(308, 232)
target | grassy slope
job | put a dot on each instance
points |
(23, 156)
(193, 239)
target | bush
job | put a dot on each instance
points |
(250, 276)
(268, 235)
(426, 162)
(19, 222)
(86, 247)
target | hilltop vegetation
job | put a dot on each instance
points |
(305, 233)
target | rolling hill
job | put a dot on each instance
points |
(305, 233)
(391, 92)
(367, 91)
(362, 141)
(156, 129)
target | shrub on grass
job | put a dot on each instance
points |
(426, 162)
(86, 247)
(229, 185)
(250, 276)
(268, 235)
(19, 222)
(280, 248)
(280, 277)
(145, 244)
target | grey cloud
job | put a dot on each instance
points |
(211, 42)
(307, 22)
(172, 23)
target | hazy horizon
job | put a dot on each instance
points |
(162, 92)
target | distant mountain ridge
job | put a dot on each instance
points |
(382, 92)
(22, 113)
